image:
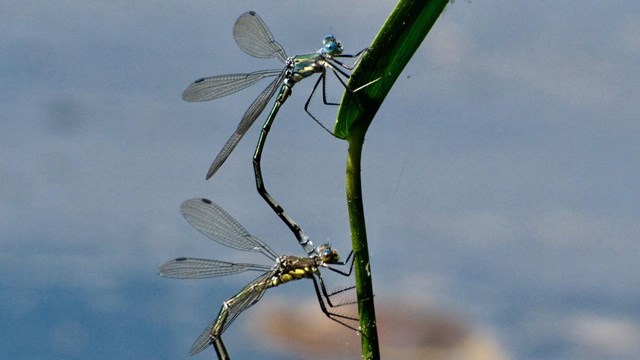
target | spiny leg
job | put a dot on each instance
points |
(358, 56)
(324, 91)
(349, 259)
(340, 291)
(333, 316)
(337, 72)
(328, 295)
(323, 76)
(322, 294)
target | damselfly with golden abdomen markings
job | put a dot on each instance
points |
(211, 220)
(254, 38)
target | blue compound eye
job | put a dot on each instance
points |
(330, 47)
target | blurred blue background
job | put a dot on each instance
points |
(500, 175)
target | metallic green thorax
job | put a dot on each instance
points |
(298, 67)
(306, 65)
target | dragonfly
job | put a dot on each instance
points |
(214, 222)
(254, 38)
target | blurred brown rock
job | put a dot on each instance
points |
(406, 332)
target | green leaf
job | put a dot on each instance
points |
(393, 47)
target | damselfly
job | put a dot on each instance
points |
(254, 38)
(217, 224)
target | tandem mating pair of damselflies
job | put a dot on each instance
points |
(211, 220)
(254, 38)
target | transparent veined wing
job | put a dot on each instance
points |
(195, 268)
(231, 308)
(254, 38)
(249, 117)
(211, 220)
(213, 87)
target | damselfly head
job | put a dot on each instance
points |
(327, 254)
(331, 45)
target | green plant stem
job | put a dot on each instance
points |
(393, 47)
(364, 286)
